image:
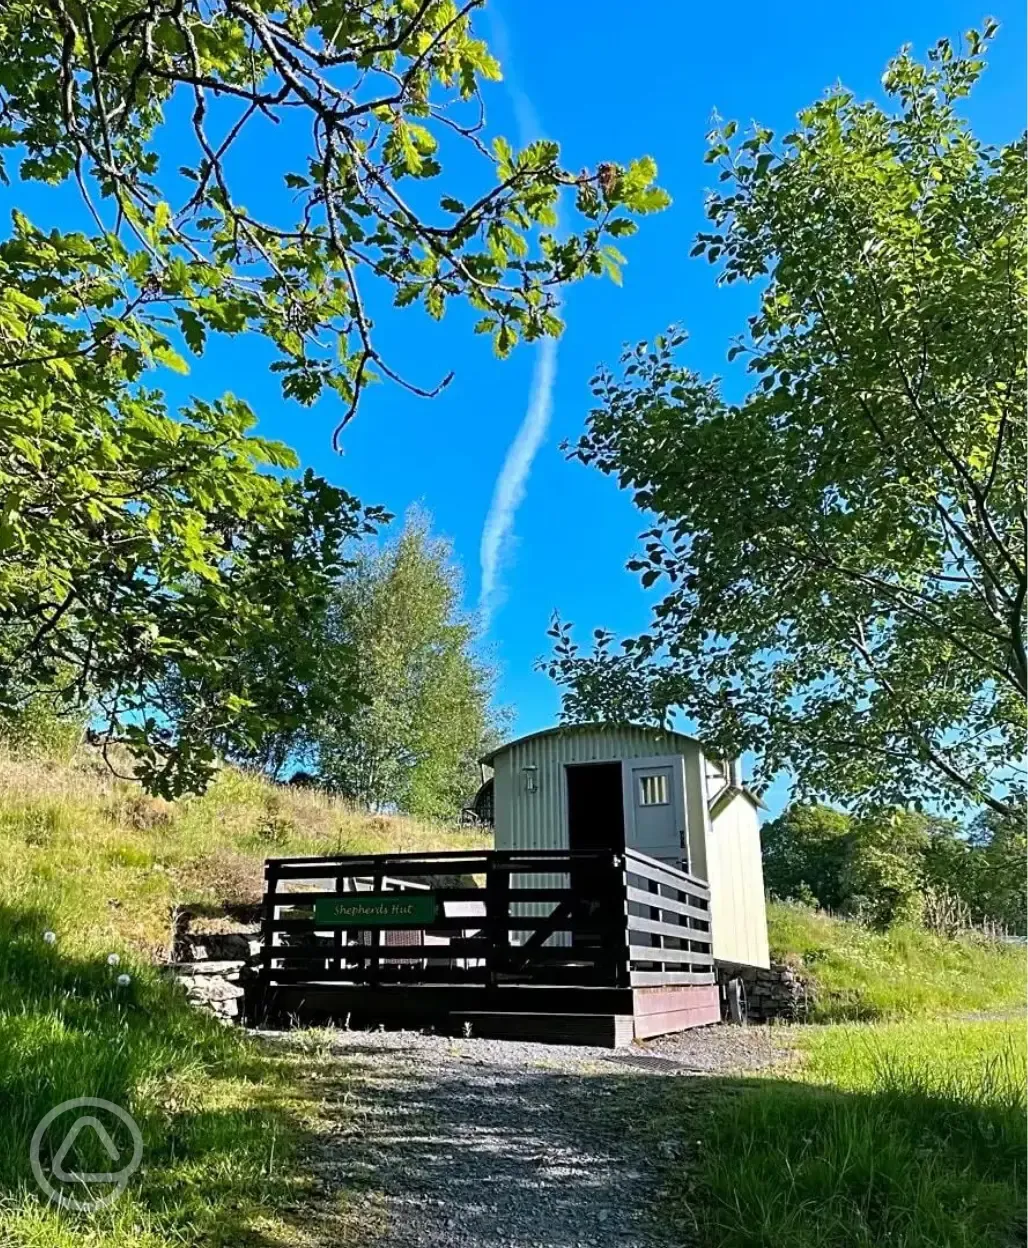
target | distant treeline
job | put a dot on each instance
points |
(374, 689)
(899, 867)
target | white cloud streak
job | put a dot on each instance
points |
(512, 483)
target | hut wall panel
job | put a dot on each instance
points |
(738, 913)
(539, 820)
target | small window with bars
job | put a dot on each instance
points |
(653, 790)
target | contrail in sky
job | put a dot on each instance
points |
(509, 490)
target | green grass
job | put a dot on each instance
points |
(904, 1129)
(220, 1120)
(224, 1121)
(861, 974)
(904, 1134)
(109, 864)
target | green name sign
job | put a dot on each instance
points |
(376, 910)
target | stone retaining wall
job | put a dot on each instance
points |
(215, 967)
(778, 991)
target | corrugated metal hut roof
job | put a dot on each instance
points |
(601, 726)
(606, 726)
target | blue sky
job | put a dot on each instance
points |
(597, 86)
(611, 82)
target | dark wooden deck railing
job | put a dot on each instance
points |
(484, 918)
(668, 924)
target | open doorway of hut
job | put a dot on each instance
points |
(596, 808)
(596, 820)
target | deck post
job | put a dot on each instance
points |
(339, 935)
(497, 913)
(619, 907)
(269, 938)
(374, 964)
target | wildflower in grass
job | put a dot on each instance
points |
(124, 981)
(113, 959)
(50, 938)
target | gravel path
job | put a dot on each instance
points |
(500, 1144)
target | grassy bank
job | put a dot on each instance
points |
(108, 864)
(92, 860)
(906, 1128)
(862, 974)
(907, 1134)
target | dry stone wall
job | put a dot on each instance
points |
(778, 991)
(215, 968)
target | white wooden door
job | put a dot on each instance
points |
(655, 807)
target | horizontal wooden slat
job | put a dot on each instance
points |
(636, 923)
(358, 884)
(456, 925)
(662, 891)
(566, 954)
(304, 909)
(373, 864)
(650, 979)
(377, 860)
(503, 954)
(514, 998)
(561, 976)
(655, 953)
(417, 869)
(450, 855)
(651, 953)
(657, 873)
(656, 902)
(309, 897)
(517, 895)
(635, 858)
(371, 953)
(385, 975)
(410, 870)
(539, 976)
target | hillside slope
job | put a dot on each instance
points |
(91, 872)
(109, 864)
(863, 975)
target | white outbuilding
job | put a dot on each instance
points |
(604, 786)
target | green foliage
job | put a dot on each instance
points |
(903, 972)
(894, 867)
(844, 548)
(38, 726)
(908, 1134)
(992, 877)
(142, 551)
(424, 716)
(138, 547)
(89, 88)
(805, 851)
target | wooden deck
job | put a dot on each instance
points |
(461, 941)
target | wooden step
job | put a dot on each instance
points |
(611, 1031)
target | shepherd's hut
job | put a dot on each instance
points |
(604, 787)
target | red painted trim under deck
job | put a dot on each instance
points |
(659, 1011)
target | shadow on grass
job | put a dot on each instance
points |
(464, 1149)
(220, 1119)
